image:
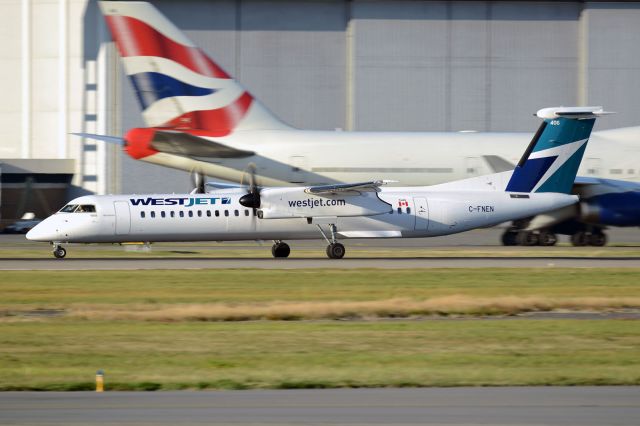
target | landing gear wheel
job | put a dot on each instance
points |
(280, 250)
(59, 252)
(509, 238)
(547, 239)
(335, 251)
(580, 239)
(598, 239)
(526, 238)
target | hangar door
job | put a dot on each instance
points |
(123, 217)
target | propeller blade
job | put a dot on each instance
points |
(198, 180)
(252, 198)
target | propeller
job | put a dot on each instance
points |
(252, 198)
(198, 181)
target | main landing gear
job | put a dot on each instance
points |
(515, 237)
(597, 238)
(280, 249)
(335, 250)
(58, 251)
(586, 237)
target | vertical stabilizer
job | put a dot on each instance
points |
(178, 86)
(552, 159)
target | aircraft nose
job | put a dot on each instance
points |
(44, 231)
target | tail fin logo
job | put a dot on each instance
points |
(551, 161)
(177, 84)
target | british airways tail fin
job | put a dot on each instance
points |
(551, 161)
(177, 84)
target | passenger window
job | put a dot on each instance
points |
(226, 212)
(142, 215)
(190, 213)
(199, 213)
(217, 213)
(237, 213)
(246, 212)
(208, 213)
(399, 210)
(181, 213)
(408, 210)
(153, 214)
(162, 213)
(172, 213)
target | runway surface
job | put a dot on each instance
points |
(478, 248)
(489, 237)
(449, 406)
(71, 264)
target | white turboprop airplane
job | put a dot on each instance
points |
(540, 182)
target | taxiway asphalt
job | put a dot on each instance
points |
(521, 406)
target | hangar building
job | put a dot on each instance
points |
(318, 64)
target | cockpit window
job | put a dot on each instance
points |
(75, 208)
(86, 208)
(69, 208)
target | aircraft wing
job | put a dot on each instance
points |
(346, 187)
(223, 185)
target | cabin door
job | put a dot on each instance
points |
(123, 217)
(422, 213)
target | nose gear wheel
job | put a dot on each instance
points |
(280, 249)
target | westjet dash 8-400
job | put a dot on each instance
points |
(540, 182)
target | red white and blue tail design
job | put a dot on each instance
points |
(178, 86)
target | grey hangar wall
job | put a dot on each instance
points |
(409, 65)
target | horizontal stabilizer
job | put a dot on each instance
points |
(572, 112)
(110, 139)
(187, 145)
(346, 187)
(498, 164)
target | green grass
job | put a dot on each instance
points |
(63, 355)
(58, 289)
(63, 352)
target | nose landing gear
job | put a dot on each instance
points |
(58, 251)
(280, 249)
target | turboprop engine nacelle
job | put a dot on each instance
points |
(282, 203)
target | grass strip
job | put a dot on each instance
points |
(177, 351)
(64, 355)
(64, 289)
